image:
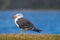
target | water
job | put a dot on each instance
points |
(47, 21)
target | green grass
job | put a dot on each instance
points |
(29, 37)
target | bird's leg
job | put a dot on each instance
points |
(24, 32)
(21, 31)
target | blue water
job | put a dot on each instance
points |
(47, 21)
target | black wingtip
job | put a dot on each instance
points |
(37, 30)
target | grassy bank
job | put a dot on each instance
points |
(28, 37)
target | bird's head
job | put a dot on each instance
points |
(19, 15)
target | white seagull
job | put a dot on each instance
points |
(24, 24)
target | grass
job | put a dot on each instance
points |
(29, 37)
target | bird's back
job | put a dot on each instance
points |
(26, 24)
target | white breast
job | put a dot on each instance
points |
(16, 23)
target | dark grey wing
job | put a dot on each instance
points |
(24, 23)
